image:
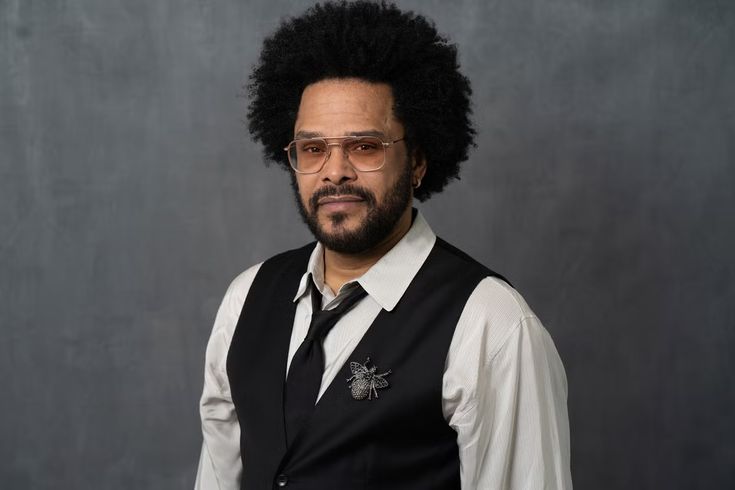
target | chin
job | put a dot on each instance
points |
(339, 223)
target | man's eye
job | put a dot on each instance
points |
(363, 146)
(312, 148)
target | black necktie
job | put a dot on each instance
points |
(307, 366)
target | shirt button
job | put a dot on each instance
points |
(281, 480)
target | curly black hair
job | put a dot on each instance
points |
(378, 43)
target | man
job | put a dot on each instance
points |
(380, 357)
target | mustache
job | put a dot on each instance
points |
(342, 190)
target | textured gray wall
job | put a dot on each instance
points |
(130, 194)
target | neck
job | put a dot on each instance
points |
(341, 268)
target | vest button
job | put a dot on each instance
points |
(281, 480)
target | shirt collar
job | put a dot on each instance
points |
(389, 277)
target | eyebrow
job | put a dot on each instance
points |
(316, 134)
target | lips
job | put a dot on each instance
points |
(339, 199)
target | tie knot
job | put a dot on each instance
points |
(323, 320)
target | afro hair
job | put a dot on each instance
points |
(378, 43)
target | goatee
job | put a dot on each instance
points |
(380, 221)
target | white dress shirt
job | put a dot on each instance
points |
(504, 387)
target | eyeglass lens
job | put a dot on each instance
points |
(365, 153)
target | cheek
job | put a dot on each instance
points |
(389, 182)
(304, 188)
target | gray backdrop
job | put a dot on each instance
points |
(131, 194)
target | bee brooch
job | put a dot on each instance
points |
(364, 382)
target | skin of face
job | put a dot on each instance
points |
(332, 197)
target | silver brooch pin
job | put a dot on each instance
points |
(364, 382)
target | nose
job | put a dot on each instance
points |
(337, 169)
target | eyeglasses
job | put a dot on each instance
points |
(365, 153)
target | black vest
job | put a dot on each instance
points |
(397, 441)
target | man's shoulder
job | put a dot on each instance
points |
(240, 285)
(244, 279)
(495, 312)
(465, 258)
(494, 294)
(238, 291)
(494, 297)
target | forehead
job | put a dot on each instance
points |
(337, 107)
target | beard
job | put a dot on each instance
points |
(380, 221)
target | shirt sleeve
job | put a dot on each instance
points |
(505, 393)
(220, 466)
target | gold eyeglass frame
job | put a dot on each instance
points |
(341, 143)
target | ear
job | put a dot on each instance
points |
(418, 169)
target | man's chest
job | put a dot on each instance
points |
(342, 339)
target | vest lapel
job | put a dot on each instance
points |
(281, 322)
